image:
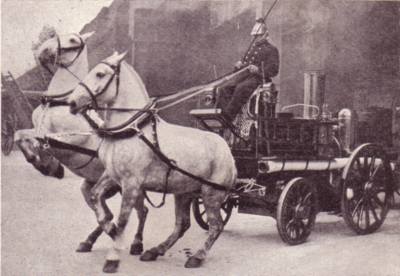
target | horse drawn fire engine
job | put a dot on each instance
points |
(291, 168)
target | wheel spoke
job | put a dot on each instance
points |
(378, 201)
(373, 211)
(360, 215)
(359, 166)
(357, 207)
(307, 198)
(289, 228)
(367, 222)
(297, 231)
(372, 166)
(302, 226)
(365, 168)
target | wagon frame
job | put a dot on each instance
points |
(292, 168)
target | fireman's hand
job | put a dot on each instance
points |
(239, 64)
(253, 69)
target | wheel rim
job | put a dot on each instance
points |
(297, 209)
(200, 215)
(366, 189)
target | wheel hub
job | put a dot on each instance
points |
(301, 212)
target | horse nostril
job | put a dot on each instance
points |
(30, 159)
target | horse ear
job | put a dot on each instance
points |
(120, 57)
(85, 36)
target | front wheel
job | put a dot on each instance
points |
(297, 211)
(200, 215)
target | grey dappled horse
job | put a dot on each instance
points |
(138, 167)
(69, 55)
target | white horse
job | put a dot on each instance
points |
(69, 54)
(130, 158)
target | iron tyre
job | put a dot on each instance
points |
(297, 210)
(367, 189)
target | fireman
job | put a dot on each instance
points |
(263, 61)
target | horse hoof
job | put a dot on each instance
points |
(149, 255)
(193, 262)
(84, 247)
(136, 249)
(111, 266)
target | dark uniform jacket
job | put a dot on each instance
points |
(263, 52)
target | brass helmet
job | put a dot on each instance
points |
(260, 28)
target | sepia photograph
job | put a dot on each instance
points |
(200, 137)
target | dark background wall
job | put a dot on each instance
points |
(176, 44)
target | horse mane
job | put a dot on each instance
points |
(135, 78)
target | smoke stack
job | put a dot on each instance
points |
(314, 92)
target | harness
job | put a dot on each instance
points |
(60, 49)
(133, 127)
(54, 100)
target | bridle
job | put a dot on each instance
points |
(69, 49)
(116, 72)
(60, 50)
(53, 99)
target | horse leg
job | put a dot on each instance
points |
(137, 244)
(212, 200)
(130, 195)
(182, 223)
(86, 246)
(98, 196)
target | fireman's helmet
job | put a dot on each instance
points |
(259, 28)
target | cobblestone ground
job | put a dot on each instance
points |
(44, 219)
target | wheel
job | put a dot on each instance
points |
(7, 137)
(200, 215)
(297, 211)
(367, 189)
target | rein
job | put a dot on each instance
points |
(50, 142)
(132, 127)
(53, 101)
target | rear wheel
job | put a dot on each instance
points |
(367, 189)
(200, 215)
(297, 211)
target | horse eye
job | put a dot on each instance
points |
(72, 40)
(100, 75)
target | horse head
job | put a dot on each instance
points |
(100, 86)
(61, 50)
(41, 159)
